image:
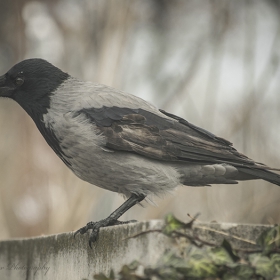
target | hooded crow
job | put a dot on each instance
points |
(120, 142)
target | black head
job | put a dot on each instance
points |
(31, 82)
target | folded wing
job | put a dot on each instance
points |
(163, 137)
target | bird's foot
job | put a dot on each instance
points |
(95, 226)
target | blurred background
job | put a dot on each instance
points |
(215, 63)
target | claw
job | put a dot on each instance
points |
(75, 233)
(78, 231)
(96, 226)
(111, 220)
(94, 234)
(84, 229)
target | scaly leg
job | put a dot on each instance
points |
(111, 220)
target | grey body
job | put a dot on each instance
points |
(90, 160)
(118, 171)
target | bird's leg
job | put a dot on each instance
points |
(110, 220)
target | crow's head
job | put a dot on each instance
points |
(31, 82)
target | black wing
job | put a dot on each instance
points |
(157, 137)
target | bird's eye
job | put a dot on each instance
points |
(19, 81)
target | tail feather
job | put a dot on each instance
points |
(264, 174)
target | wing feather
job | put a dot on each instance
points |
(154, 136)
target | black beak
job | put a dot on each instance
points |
(5, 90)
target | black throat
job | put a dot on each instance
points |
(52, 140)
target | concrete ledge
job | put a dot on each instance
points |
(63, 257)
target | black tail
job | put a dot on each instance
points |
(261, 173)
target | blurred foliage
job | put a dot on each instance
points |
(215, 63)
(208, 262)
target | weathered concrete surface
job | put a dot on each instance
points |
(63, 257)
